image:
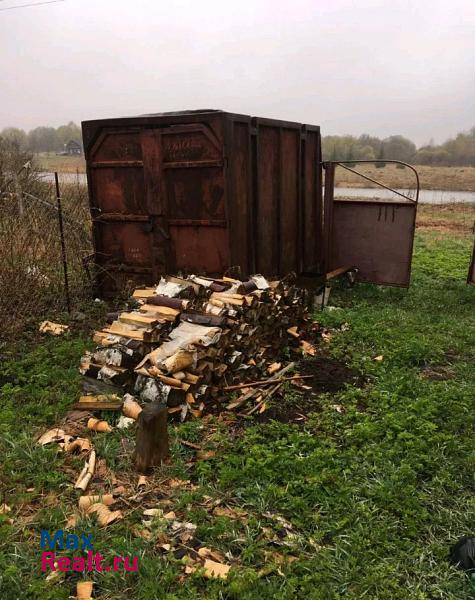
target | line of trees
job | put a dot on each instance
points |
(43, 139)
(458, 151)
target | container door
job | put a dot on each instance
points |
(192, 189)
(123, 225)
(471, 270)
(374, 236)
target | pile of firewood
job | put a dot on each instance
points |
(187, 342)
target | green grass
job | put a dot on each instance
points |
(376, 494)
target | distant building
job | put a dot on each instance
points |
(73, 148)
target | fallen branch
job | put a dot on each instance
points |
(265, 396)
(240, 401)
(251, 384)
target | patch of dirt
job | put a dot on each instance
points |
(440, 371)
(329, 376)
(444, 226)
(436, 372)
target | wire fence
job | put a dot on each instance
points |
(32, 257)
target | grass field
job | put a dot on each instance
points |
(376, 484)
(47, 161)
(432, 178)
(458, 218)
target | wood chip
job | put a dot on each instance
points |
(84, 590)
(215, 569)
(145, 534)
(78, 445)
(72, 521)
(274, 367)
(230, 513)
(131, 409)
(166, 547)
(307, 348)
(53, 435)
(189, 569)
(124, 422)
(153, 512)
(85, 502)
(293, 332)
(87, 473)
(205, 454)
(105, 516)
(53, 328)
(98, 425)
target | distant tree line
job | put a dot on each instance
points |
(459, 151)
(43, 139)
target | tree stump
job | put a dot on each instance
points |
(151, 447)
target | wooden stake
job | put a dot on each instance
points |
(152, 437)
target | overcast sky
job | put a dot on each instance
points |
(380, 67)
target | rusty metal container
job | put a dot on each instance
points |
(202, 191)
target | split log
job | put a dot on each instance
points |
(142, 293)
(138, 319)
(217, 287)
(100, 402)
(160, 300)
(176, 397)
(165, 313)
(179, 361)
(247, 287)
(203, 319)
(152, 437)
(201, 336)
(171, 381)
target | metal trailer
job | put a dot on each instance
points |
(204, 191)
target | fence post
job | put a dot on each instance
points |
(63, 246)
(19, 194)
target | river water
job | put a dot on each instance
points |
(425, 196)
